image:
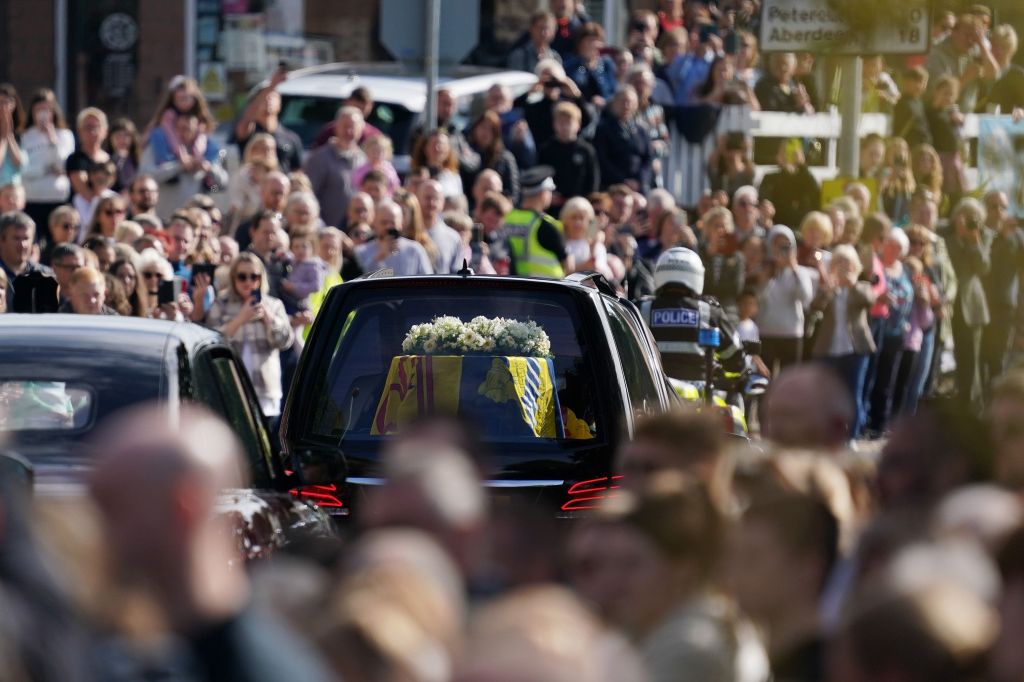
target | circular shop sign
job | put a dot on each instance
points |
(119, 32)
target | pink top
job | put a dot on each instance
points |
(881, 308)
(385, 167)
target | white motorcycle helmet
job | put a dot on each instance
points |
(681, 266)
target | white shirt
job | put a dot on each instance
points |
(782, 303)
(747, 330)
(449, 248)
(842, 342)
(408, 258)
(41, 185)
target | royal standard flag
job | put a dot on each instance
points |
(513, 396)
(417, 385)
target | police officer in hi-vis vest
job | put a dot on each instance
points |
(677, 312)
(536, 244)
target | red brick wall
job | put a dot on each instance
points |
(27, 51)
(161, 53)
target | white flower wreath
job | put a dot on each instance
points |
(491, 335)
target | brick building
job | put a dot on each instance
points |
(120, 54)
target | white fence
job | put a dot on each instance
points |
(685, 168)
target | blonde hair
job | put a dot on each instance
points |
(567, 110)
(1007, 35)
(91, 112)
(922, 234)
(127, 232)
(150, 259)
(261, 138)
(387, 148)
(818, 223)
(574, 206)
(846, 253)
(720, 212)
(88, 275)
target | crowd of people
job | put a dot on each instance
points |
(800, 562)
(699, 560)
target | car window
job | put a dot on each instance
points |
(374, 385)
(308, 115)
(640, 380)
(44, 406)
(226, 395)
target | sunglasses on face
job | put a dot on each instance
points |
(248, 277)
(114, 211)
(69, 226)
(151, 275)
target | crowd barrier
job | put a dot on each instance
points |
(685, 168)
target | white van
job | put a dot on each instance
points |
(310, 97)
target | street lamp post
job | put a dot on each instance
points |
(849, 108)
(433, 27)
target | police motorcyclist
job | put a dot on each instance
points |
(677, 312)
(535, 240)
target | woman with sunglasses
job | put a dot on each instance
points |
(256, 325)
(63, 227)
(153, 269)
(109, 212)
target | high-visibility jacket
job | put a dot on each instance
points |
(529, 257)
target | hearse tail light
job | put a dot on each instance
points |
(320, 495)
(591, 493)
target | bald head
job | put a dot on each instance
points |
(808, 406)
(156, 480)
(431, 198)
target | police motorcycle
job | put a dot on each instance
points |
(707, 364)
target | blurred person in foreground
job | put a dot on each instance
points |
(782, 554)
(396, 613)
(43, 638)
(929, 454)
(156, 485)
(1006, 418)
(686, 442)
(808, 407)
(432, 486)
(648, 565)
(936, 633)
(1006, 660)
(521, 637)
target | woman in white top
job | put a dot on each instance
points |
(584, 240)
(783, 298)
(48, 143)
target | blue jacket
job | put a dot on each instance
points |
(162, 149)
(599, 81)
(686, 73)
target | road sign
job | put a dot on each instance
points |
(402, 24)
(813, 25)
